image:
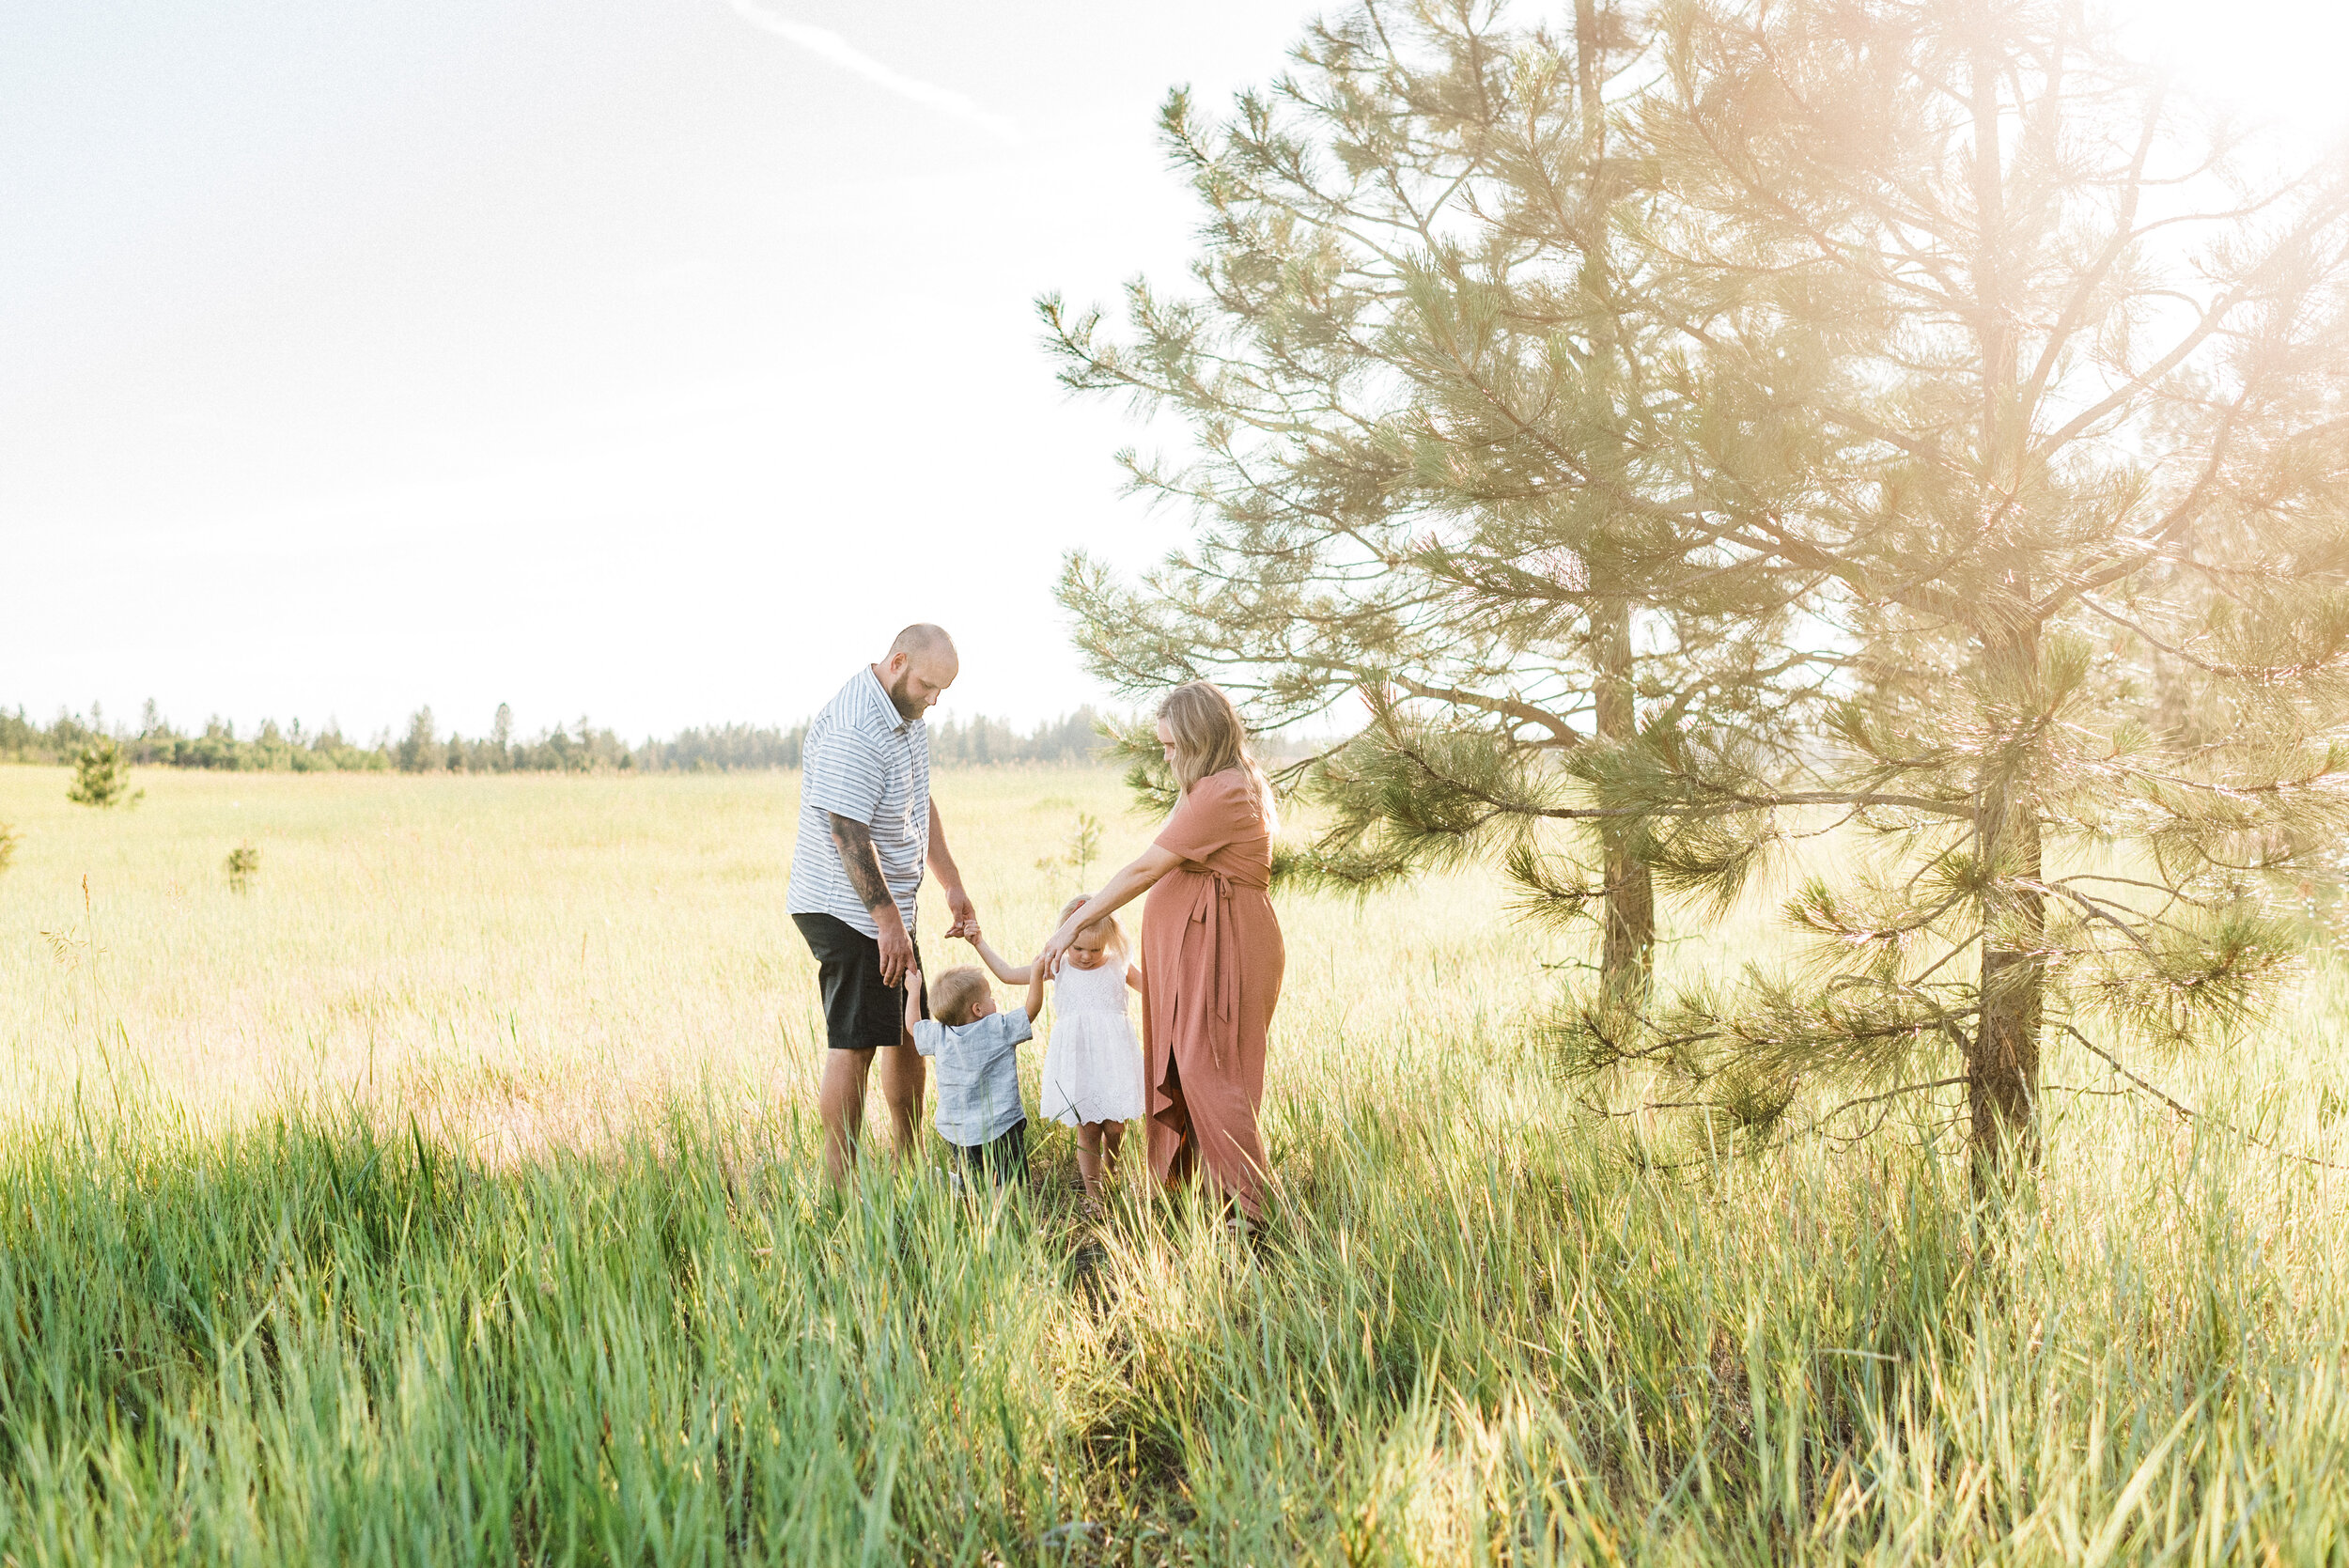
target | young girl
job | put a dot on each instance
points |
(1093, 1063)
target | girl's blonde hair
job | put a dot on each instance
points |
(1209, 738)
(1118, 933)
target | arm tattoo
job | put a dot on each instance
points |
(859, 861)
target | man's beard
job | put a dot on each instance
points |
(901, 696)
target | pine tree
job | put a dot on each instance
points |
(2075, 521)
(420, 751)
(101, 775)
(1438, 396)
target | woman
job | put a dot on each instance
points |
(1211, 951)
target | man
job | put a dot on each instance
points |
(867, 832)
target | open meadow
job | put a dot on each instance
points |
(451, 1195)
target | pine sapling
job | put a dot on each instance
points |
(101, 776)
(1083, 849)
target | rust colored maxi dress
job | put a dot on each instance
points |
(1211, 963)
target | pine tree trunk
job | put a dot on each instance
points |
(2002, 1067)
(1626, 957)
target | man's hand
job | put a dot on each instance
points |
(862, 863)
(897, 948)
(965, 914)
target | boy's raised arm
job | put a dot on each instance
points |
(1036, 992)
(913, 998)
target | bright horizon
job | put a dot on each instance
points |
(584, 357)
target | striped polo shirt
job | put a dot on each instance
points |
(864, 761)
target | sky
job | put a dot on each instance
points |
(646, 360)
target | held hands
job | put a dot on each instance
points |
(970, 933)
(1010, 974)
(965, 914)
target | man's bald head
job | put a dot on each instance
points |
(922, 640)
(922, 664)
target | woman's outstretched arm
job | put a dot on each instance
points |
(1137, 878)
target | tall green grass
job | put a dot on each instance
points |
(310, 1339)
(450, 1198)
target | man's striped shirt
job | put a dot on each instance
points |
(862, 760)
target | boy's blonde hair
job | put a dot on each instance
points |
(1118, 933)
(953, 993)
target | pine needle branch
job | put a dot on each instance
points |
(2186, 1115)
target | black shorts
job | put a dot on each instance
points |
(1003, 1158)
(860, 1013)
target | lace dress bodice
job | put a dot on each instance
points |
(1094, 990)
(1093, 1065)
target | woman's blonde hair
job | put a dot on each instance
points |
(1118, 933)
(1209, 738)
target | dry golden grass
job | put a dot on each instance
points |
(517, 959)
(524, 959)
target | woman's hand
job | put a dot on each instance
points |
(1048, 957)
(1137, 878)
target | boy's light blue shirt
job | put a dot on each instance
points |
(978, 1074)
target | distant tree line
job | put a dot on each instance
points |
(580, 747)
(976, 742)
(156, 743)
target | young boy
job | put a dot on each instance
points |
(978, 1067)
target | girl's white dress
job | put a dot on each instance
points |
(1093, 1063)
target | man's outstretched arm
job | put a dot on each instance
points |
(861, 861)
(950, 877)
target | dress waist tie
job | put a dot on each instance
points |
(1212, 906)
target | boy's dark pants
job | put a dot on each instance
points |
(1003, 1158)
